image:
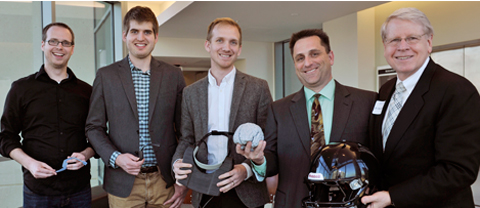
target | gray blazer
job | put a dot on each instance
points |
(113, 102)
(288, 137)
(250, 101)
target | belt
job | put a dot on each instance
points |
(150, 169)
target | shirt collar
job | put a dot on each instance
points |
(42, 74)
(229, 78)
(410, 82)
(327, 92)
(134, 68)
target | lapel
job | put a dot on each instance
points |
(156, 76)
(238, 89)
(410, 110)
(125, 75)
(341, 111)
(299, 115)
(386, 92)
(202, 105)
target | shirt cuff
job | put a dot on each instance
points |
(174, 164)
(260, 170)
(249, 171)
(113, 158)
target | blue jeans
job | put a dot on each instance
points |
(81, 199)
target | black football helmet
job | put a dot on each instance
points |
(340, 174)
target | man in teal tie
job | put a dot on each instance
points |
(345, 113)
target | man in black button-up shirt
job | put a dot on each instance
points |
(49, 109)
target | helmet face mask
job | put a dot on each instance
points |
(339, 176)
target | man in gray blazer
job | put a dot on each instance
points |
(289, 136)
(134, 114)
(222, 101)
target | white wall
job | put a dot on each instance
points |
(452, 21)
(366, 49)
(256, 58)
(352, 41)
(343, 42)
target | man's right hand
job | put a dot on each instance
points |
(179, 173)
(40, 169)
(37, 169)
(129, 163)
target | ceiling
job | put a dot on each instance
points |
(265, 21)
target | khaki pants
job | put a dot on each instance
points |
(148, 191)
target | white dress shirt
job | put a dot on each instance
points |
(219, 104)
(409, 84)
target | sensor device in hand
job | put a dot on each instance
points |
(248, 132)
(65, 163)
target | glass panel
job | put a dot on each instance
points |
(99, 9)
(79, 16)
(472, 65)
(104, 44)
(451, 59)
(21, 55)
(278, 71)
(292, 84)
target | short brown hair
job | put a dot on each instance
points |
(140, 14)
(223, 20)
(59, 24)
(307, 33)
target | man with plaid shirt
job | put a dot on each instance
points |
(137, 101)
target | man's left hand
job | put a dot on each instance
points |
(256, 155)
(75, 164)
(377, 200)
(232, 178)
(178, 196)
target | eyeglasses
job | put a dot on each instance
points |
(64, 43)
(410, 40)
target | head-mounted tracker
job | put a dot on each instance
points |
(199, 180)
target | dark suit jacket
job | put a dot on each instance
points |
(250, 101)
(432, 154)
(288, 137)
(113, 101)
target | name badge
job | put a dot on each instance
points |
(377, 109)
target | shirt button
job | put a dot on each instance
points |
(61, 133)
(61, 150)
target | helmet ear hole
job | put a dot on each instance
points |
(339, 175)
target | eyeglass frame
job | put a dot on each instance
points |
(52, 41)
(408, 40)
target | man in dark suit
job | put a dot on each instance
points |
(134, 114)
(427, 126)
(222, 101)
(345, 111)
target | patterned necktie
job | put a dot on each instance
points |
(393, 109)
(317, 134)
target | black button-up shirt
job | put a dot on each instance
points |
(51, 119)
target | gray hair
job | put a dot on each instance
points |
(411, 14)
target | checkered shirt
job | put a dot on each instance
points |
(141, 81)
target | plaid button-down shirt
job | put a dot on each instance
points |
(141, 82)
